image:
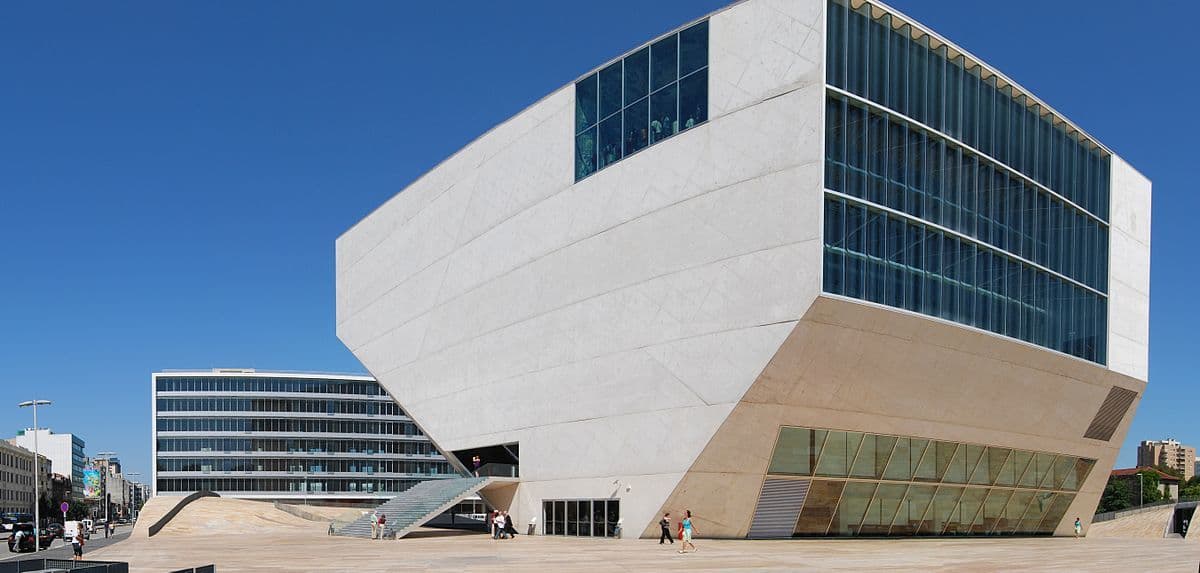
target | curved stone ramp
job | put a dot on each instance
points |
(225, 516)
(1146, 525)
(158, 508)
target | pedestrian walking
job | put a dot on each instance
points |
(688, 531)
(497, 524)
(374, 525)
(475, 460)
(107, 529)
(509, 529)
(77, 545)
(382, 524)
(1078, 527)
(330, 532)
(665, 524)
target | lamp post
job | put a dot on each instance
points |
(107, 456)
(1141, 494)
(37, 478)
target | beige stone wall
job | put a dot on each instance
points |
(857, 366)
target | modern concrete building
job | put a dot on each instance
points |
(278, 435)
(1170, 453)
(65, 452)
(17, 473)
(805, 268)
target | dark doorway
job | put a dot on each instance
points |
(502, 460)
(1183, 520)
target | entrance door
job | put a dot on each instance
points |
(581, 517)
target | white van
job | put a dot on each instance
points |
(72, 528)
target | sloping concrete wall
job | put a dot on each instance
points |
(858, 366)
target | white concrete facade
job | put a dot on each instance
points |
(612, 326)
(64, 458)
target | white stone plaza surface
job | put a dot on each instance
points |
(643, 333)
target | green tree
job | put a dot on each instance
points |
(1116, 497)
(1164, 468)
(1149, 486)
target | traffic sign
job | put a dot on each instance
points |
(64, 507)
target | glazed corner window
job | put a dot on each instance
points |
(645, 97)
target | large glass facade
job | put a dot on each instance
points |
(879, 485)
(904, 70)
(290, 436)
(645, 97)
(581, 517)
(873, 253)
(952, 195)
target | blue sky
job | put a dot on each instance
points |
(173, 175)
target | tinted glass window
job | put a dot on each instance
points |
(637, 126)
(664, 62)
(637, 75)
(585, 103)
(664, 118)
(693, 48)
(610, 90)
(641, 100)
(693, 99)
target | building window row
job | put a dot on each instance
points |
(875, 156)
(316, 406)
(641, 99)
(16, 478)
(302, 465)
(286, 485)
(297, 445)
(16, 462)
(286, 425)
(886, 258)
(268, 384)
(874, 485)
(897, 67)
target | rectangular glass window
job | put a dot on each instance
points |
(637, 75)
(664, 62)
(637, 126)
(609, 144)
(586, 103)
(693, 100)
(693, 48)
(610, 90)
(664, 116)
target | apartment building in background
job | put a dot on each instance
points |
(1171, 453)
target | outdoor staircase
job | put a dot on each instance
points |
(417, 505)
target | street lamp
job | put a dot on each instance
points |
(37, 478)
(108, 456)
(1141, 494)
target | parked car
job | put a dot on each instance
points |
(25, 543)
(55, 529)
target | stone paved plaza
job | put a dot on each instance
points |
(308, 549)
